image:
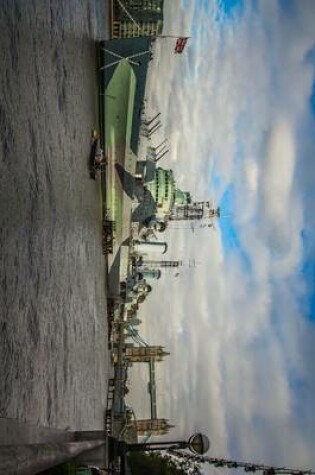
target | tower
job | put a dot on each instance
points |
(154, 426)
(145, 354)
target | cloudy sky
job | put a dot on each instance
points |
(238, 107)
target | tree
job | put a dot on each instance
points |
(161, 464)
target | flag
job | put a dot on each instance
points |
(180, 44)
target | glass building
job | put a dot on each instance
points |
(132, 18)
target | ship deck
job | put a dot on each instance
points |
(118, 103)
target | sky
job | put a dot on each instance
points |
(238, 108)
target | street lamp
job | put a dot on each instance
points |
(197, 443)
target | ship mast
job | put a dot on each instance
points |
(201, 210)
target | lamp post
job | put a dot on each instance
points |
(198, 444)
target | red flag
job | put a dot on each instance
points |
(180, 45)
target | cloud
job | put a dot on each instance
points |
(236, 105)
(277, 179)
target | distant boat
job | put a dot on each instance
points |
(96, 159)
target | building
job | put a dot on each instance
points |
(132, 18)
(153, 426)
(144, 354)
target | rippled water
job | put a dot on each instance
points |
(53, 334)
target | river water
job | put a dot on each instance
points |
(54, 361)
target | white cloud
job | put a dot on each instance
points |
(276, 181)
